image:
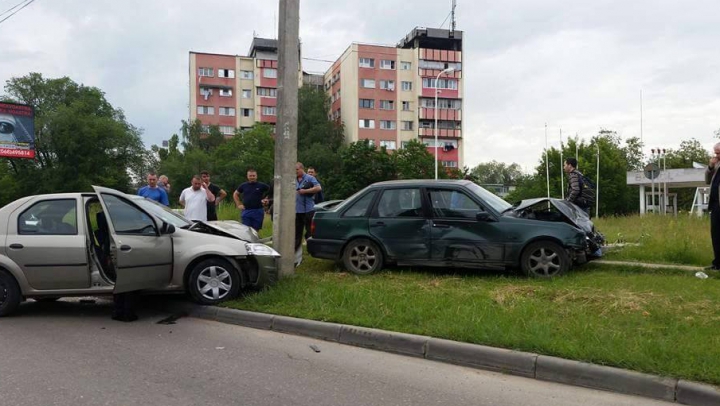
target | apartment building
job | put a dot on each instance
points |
(233, 91)
(386, 94)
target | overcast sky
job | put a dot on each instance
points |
(577, 66)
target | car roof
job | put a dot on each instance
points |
(421, 182)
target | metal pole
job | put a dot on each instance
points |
(652, 181)
(577, 151)
(547, 165)
(597, 182)
(286, 135)
(562, 170)
(437, 90)
(665, 203)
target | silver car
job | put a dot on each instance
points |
(87, 244)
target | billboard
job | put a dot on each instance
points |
(17, 130)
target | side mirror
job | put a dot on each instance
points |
(483, 216)
(167, 228)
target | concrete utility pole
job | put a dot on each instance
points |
(286, 135)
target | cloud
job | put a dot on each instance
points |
(573, 65)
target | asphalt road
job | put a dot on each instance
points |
(72, 353)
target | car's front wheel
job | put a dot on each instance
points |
(213, 281)
(362, 257)
(544, 259)
(10, 294)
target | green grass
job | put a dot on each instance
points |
(656, 321)
(662, 239)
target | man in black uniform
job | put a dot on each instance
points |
(712, 178)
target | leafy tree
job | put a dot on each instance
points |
(80, 140)
(314, 126)
(415, 161)
(361, 166)
(497, 173)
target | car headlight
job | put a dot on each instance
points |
(261, 250)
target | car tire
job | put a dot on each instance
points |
(10, 295)
(213, 281)
(362, 257)
(544, 259)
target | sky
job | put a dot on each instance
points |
(576, 67)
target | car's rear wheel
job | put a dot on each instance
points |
(213, 281)
(544, 259)
(10, 294)
(362, 257)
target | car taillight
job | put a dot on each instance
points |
(312, 227)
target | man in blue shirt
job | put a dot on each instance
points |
(306, 187)
(253, 194)
(153, 191)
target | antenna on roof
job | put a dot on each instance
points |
(452, 16)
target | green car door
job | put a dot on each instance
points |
(458, 238)
(401, 225)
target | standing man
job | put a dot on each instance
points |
(194, 199)
(253, 194)
(153, 191)
(319, 196)
(217, 191)
(712, 178)
(575, 186)
(306, 187)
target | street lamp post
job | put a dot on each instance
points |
(437, 90)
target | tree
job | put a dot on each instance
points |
(80, 140)
(497, 173)
(314, 126)
(414, 161)
(361, 166)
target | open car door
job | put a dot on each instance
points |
(142, 255)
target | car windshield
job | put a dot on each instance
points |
(162, 212)
(490, 198)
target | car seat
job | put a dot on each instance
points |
(102, 234)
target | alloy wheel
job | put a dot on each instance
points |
(544, 261)
(363, 258)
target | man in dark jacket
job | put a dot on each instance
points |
(712, 179)
(575, 185)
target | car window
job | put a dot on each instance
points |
(360, 207)
(127, 218)
(163, 212)
(400, 203)
(49, 217)
(453, 204)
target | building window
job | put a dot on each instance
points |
(226, 111)
(404, 144)
(206, 110)
(227, 130)
(429, 83)
(406, 125)
(405, 65)
(367, 124)
(246, 112)
(207, 72)
(266, 92)
(387, 84)
(269, 111)
(449, 164)
(367, 103)
(247, 74)
(388, 144)
(406, 86)
(227, 92)
(387, 105)
(205, 92)
(226, 73)
(270, 73)
(205, 129)
(387, 64)
(367, 83)
(367, 63)
(406, 106)
(387, 125)
(452, 104)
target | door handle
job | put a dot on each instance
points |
(125, 248)
(436, 225)
(378, 224)
(16, 246)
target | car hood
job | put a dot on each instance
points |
(234, 229)
(574, 214)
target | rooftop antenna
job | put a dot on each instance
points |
(452, 16)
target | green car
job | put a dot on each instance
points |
(452, 223)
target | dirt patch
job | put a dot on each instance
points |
(508, 296)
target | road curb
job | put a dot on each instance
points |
(530, 365)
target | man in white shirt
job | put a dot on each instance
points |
(194, 199)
